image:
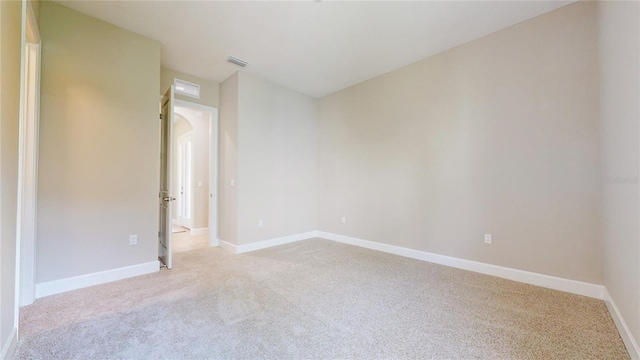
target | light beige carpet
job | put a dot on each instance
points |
(316, 299)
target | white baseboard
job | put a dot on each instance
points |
(625, 333)
(10, 346)
(97, 278)
(551, 282)
(547, 281)
(214, 242)
(259, 245)
(199, 231)
(227, 246)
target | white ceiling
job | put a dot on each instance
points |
(312, 47)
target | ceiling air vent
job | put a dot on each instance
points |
(237, 61)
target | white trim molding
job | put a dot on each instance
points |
(213, 241)
(259, 245)
(10, 346)
(28, 159)
(625, 333)
(97, 278)
(227, 246)
(547, 281)
(527, 277)
(199, 231)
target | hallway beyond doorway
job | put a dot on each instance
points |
(183, 241)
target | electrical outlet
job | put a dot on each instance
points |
(344, 219)
(487, 238)
(260, 223)
(133, 239)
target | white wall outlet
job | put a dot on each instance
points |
(260, 223)
(133, 239)
(344, 219)
(487, 238)
(199, 183)
(233, 183)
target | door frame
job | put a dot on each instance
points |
(28, 139)
(214, 144)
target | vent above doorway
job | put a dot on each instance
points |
(186, 88)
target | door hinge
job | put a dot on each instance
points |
(160, 116)
(158, 233)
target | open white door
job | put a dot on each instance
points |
(165, 197)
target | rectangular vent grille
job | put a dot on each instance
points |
(186, 88)
(237, 61)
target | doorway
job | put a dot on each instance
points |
(191, 174)
(28, 158)
(191, 178)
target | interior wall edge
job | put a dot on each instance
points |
(264, 244)
(227, 246)
(625, 333)
(10, 345)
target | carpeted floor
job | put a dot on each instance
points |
(316, 299)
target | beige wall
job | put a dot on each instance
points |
(200, 167)
(228, 165)
(10, 48)
(498, 136)
(268, 145)
(620, 108)
(99, 146)
(277, 160)
(209, 90)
